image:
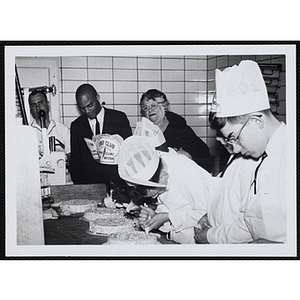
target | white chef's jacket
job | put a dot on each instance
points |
(226, 205)
(186, 196)
(265, 211)
(60, 131)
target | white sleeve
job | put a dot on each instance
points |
(194, 190)
(67, 139)
(237, 232)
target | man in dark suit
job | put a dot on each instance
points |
(83, 168)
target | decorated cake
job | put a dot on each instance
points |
(112, 225)
(77, 206)
(49, 214)
(93, 214)
(132, 238)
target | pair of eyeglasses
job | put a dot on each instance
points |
(235, 140)
(152, 106)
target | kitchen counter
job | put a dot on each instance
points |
(70, 230)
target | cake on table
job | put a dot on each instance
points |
(111, 225)
(77, 206)
(49, 214)
(132, 238)
(93, 214)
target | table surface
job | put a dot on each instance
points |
(70, 230)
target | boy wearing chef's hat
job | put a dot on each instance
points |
(241, 112)
(178, 183)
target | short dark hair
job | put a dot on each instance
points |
(218, 123)
(37, 92)
(152, 94)
(85, 88)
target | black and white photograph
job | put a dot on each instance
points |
(150, 151)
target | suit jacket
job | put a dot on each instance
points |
(179, 135)
(83, 168)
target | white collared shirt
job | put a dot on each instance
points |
(60, 131)
(100, 118)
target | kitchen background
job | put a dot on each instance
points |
(188, 82)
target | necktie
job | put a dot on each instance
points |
(97, 127)
(228, 164)
(256, 170)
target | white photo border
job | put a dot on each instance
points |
(156, 251)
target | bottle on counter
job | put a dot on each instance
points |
(45, 191)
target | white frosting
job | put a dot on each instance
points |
(132, 238)
(112, 225)
(77, 205)
(93, 214)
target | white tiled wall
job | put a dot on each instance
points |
(188, 82)
(120, 81)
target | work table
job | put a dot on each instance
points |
(70, 230)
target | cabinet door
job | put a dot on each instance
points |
(40, 71)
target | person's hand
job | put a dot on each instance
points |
(200, 235)
(204, 221)
(151, 220)
(145, 214)
(157, 221)
(200, 230)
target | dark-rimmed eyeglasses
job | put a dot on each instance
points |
(153, 105)
(235, 140)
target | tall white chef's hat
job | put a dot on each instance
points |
(138, 161)
(240, 90)
(151, 131)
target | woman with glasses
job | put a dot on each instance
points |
(179, 136)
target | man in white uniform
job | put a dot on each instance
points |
(226, 192)
(224, 223)
(179, 184)
(60, 132)
(242, 114)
